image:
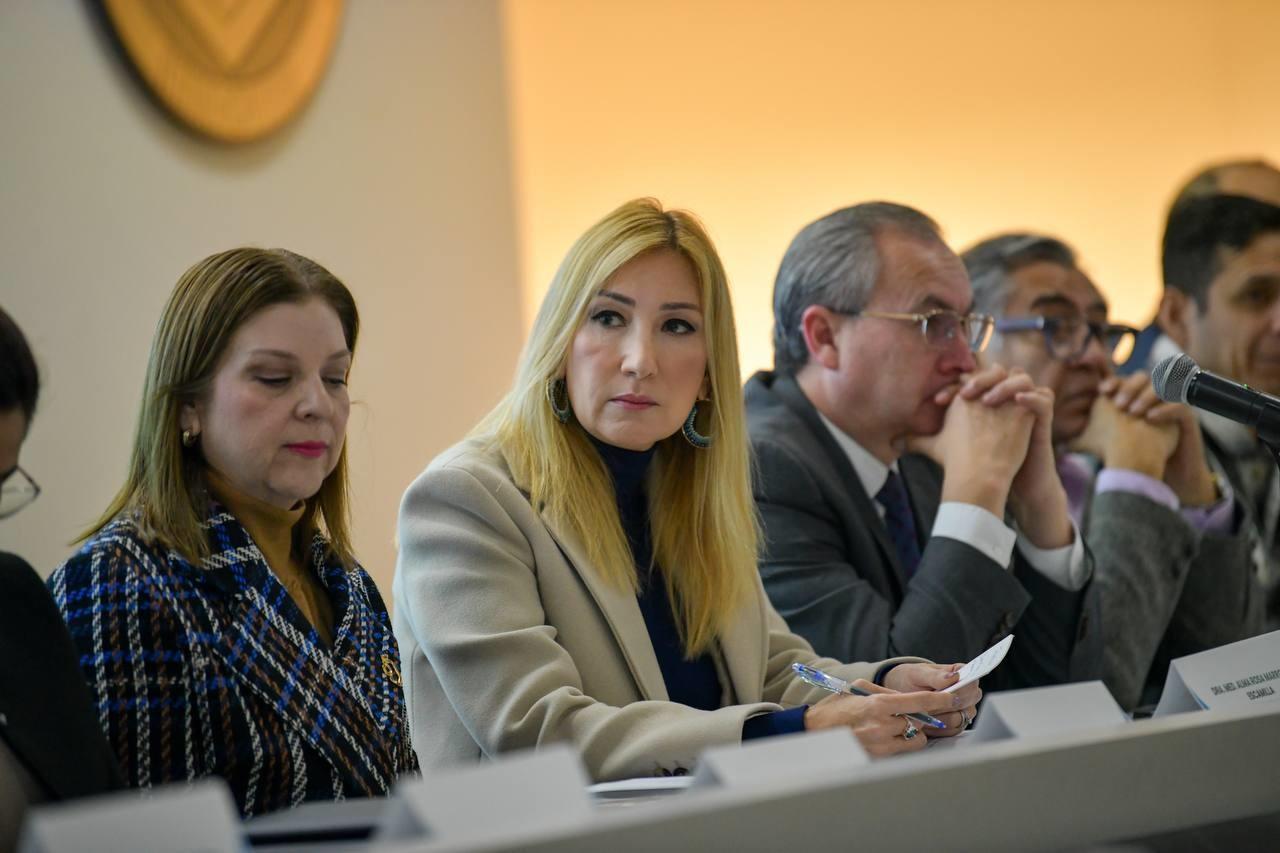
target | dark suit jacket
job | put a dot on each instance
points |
(830, 570)
(49, 722)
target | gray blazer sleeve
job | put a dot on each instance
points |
(1165, 590)
(819, 568)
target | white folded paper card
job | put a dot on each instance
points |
(1038, 711)
(198, 816)
(982, 664)
(770, 762)
(500, 800)
(1237, 675)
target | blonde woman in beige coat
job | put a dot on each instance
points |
(582, 569)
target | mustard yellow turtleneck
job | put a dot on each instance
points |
(272, 530)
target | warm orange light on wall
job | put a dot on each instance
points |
(1077, 119)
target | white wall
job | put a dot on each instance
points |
(396, 177)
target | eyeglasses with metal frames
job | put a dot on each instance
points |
(941, 328)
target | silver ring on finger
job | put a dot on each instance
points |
(965, 719)
(911, 731)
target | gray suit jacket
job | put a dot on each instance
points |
(831, 571)
(511, 640)
(1166, 590)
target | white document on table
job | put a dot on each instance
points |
(982, 664)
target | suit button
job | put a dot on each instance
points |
(681, 771)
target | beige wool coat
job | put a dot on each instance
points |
(510, 640)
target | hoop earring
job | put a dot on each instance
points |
(556, 389)
(188, 438)
(691, 434)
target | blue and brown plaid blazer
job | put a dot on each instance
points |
(211, 669)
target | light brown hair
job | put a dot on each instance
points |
(165, 490)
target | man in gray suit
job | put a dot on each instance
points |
(1173, 563)
(869, 550)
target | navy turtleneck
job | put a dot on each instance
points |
(690, 682)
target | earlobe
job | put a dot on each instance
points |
(189, 419)
(820, 337)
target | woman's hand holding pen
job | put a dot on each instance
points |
(877, 720)
(912, 677)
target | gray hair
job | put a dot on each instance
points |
(834, 262)
(992, 263)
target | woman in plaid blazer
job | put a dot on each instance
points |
(223, 625)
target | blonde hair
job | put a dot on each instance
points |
(165, 492)
(701, 513)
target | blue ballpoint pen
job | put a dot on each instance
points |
(818, 678)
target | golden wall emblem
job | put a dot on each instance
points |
(232, 69)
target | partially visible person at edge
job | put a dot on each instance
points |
(224, 626)
(1221, 306)
(1256, 179)
(1173, 558)
(582, 568)
(51, 747)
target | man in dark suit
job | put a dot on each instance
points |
(870, 550)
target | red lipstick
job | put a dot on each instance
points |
(310, 449)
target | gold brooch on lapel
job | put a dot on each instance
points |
(390, 671)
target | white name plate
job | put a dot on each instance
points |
(1039, 711)
(197, 817)
(478, 804)
(1239, 675)
(772, 761)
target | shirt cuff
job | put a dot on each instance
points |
(1218, 517)
(773, 723)
(1065, 566)
(975, 526)
(1125, 480)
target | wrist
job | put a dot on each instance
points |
(1202, 490)
(989, 493)
(1134, 457)
(1044, 519)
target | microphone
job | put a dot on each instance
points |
(1178, 379)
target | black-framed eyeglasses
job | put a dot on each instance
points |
(16, 492)
(1067, 338)
(941, 328)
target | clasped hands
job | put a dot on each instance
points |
(996, 451)
(1131, 428)
(877, 720)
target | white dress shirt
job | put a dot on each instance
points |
(972, 524)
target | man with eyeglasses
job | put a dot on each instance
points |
(871, 549)
(1173, 569)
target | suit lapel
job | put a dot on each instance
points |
(745, 648)
(868, 519)
(621, 611)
